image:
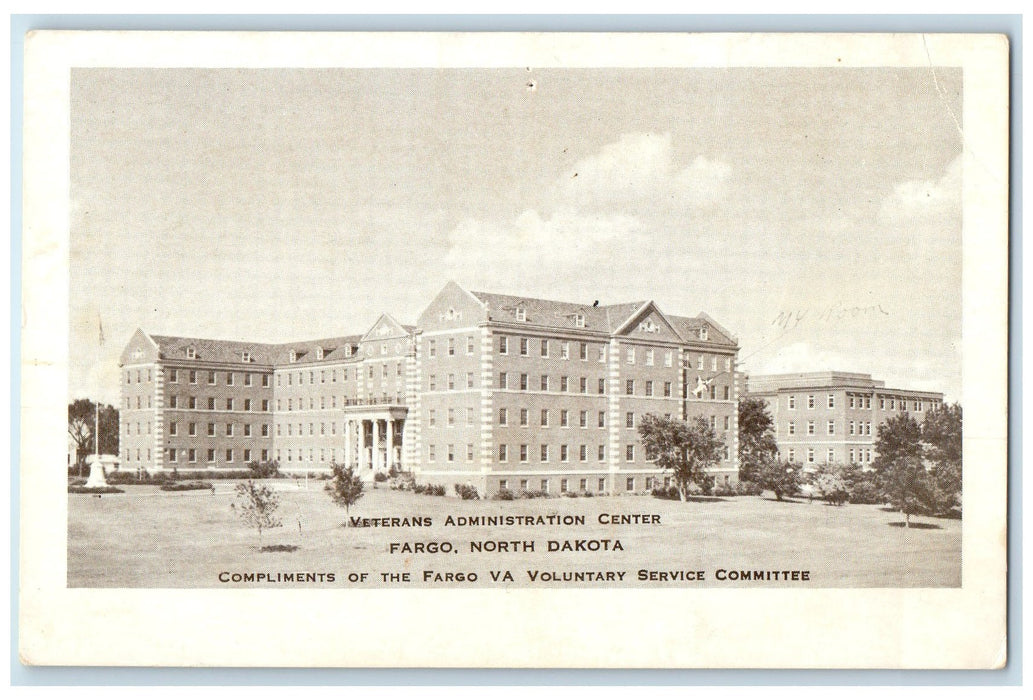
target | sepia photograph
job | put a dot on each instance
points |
(654, 326)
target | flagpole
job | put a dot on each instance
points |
(96, 431)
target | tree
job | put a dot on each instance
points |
(256, 505)
(941, 433)
(346, 486)
(81, 421)
(687, 450)
(783, 478)
(900, 465)
(830, 484)
(756, 438)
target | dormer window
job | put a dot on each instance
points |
(294, 356)
(191, 352)
(579, 320)
(704, 333)
(521, 313)
(319, 353)
(348, 351)
(245, 356)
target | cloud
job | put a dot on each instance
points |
(637, 173)
(923, 200)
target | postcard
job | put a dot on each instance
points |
(514, 350)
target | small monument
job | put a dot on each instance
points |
(97, 464)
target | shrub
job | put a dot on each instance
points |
(77, 482)
(570, 494)
(264, 470)
(748, 488)
(466, 492)
(724, 490)
(533, 494)
(504, 495)
(380, 477)
(428, 489)
(131, 477)
(102, 489)
(587, 494)
(668, 493)
(187, 486)
(346, 487)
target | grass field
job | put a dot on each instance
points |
(153, 539)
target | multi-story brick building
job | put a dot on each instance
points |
(498, 391)
(833, 417)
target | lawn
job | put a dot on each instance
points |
(153, 539)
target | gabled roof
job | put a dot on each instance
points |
(688, 328)
(175, 347)
(618, 315)
(543, 312)
(333, 349)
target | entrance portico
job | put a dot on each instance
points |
(373, 438)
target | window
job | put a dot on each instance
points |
(728, 422)
(523, 417)
(451, 381)
(469, 380)
(265, 404)
(602, 353)
(545, 485)
(810, 401)
(211, 377)
(831, 456)
(713, 364)
(469, 415)
(832, 400)
(469, 452)
(728, 364)
(503, 416)
(211, 429)
(630, 483)
(629, 387)
(629, 453)
(430, 452)
(211, 454)
(563, 485)
(521, 313)
(629, 420)
(172, 454)
(579, 320)
(602, 419)
(668, 358)
(173, 376)
(791, 455)
(229, 404)
(193, 376)
(523, 484)
(229, 429)
(851, 427)
(451, 346)
(451, 419)
(602, 385)
(503, 380)
(211, 403)
(265, 380)
(545, 417)
(583, 456)
(810, 427)
(173, 401)
(583, 385)
(523, 381)
(469, 345)
(545, 347)
(563, 383)
(868, 428)
(432, 348)
(832, 427)
(191, 429)
(727, 390)
(792, 402)
(882, 403)
(523, 347)
(523, 453)
(791, 428)
(544, 449)
(564, 413)
(850, 400)
(602, 455)
(431, 417)
(451, 453)
(192, 402)
(583, 351)
(191, 354)
(172, 428)
(565, 350)
(629, 356)
(503, 345)
(265, 430)
(229, 379)
(810, 455)
(229, 455)
(192, 455)
(699, 363)
(583, 419)
(851, 453)
(649, 387)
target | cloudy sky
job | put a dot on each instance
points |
(813, 212)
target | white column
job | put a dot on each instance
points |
(347, 442)
(362, 444)
(390, 442)
(376, 444)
